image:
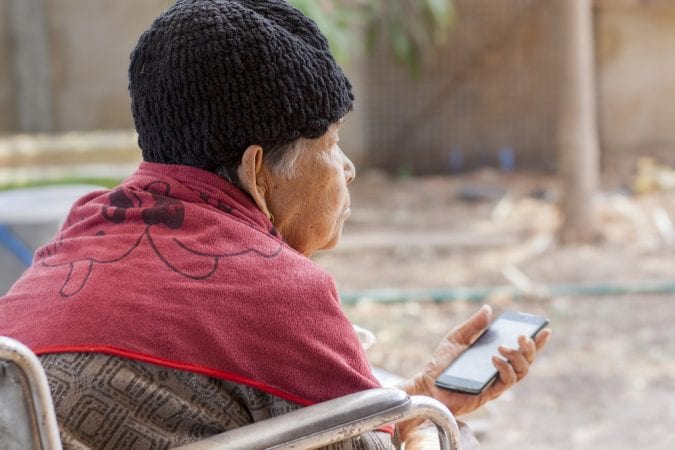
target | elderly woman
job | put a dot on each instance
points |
(183, 303)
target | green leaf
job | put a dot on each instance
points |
(400, 43)
(372, 35)
(441, 15)
(409, 25)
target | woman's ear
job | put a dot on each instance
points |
(252, 177)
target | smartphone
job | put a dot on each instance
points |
(473, 370)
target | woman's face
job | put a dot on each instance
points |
(310, 208)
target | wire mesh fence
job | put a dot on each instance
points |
(491, 96)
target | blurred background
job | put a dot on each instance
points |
(512, 152)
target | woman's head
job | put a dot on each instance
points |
(209, 78)
(302, 187)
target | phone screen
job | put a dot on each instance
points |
(473, 370)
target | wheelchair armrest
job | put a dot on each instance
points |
(27, 418)
(336, 420)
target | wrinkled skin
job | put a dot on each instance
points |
(310, 208)
(513, 366)
(425, 437)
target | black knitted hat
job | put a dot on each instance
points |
(211, 77)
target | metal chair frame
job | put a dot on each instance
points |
(26, 410)
(336, 420)
(24, 387)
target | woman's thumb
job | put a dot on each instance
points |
(474, 326)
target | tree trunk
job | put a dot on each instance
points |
(577, 127)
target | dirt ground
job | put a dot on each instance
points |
(607, 378)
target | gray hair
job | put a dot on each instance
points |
(281, 160)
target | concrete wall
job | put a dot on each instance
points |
(88, 45)
(636, 60)
(6, 82)
(91, 43)
(354, 133)
(492, 88)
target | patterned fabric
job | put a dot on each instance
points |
(179, 268)
(108, 402)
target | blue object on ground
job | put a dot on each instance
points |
(29, 218)
(507, 159)
(456, 160)
(14, 245)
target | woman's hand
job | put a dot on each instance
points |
(425, 437)
(511, 369)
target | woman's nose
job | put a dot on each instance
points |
(350, 170)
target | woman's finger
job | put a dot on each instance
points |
(528, 348)
(466, 333)
(542, 338)
(517, 359)
(507, 378)
(507, 374)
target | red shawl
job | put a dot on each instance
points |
(177, 267)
